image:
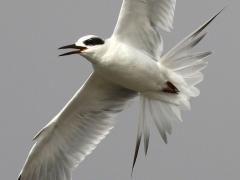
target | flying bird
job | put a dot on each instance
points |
(129, 64)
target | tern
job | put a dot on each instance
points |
(129, 64)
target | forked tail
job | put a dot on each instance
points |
(186, 67)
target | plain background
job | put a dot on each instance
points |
(36, 83)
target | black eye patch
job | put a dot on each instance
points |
(93, 41)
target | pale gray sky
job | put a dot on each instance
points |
(36, 83)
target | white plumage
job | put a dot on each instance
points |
(128, 64)
(139, 23)
(76, 130)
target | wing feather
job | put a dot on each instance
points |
(75, 131)
(139, 23)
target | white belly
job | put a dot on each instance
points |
(133, 70)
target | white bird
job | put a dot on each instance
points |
(128, 64)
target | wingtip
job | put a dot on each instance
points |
(165, 140)
(138, 142)
(20, 176)
(220, 11)
(146, 151)
(146, 144)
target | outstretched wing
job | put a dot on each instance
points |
(75, 131)
(139, 23)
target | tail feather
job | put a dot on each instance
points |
(164, 115)
(143, 130)
(177, 112)
(146, 130)
(162, 126)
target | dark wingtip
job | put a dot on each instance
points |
(136, 152)
(198, 31)
(223, 9)
(19, 178)
(217, 14)
(146, 143)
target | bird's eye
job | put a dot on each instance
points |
(93, 41)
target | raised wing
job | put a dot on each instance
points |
(75, 131)
(139, 23)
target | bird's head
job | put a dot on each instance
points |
(88, 46)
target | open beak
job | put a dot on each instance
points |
(72, 46)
